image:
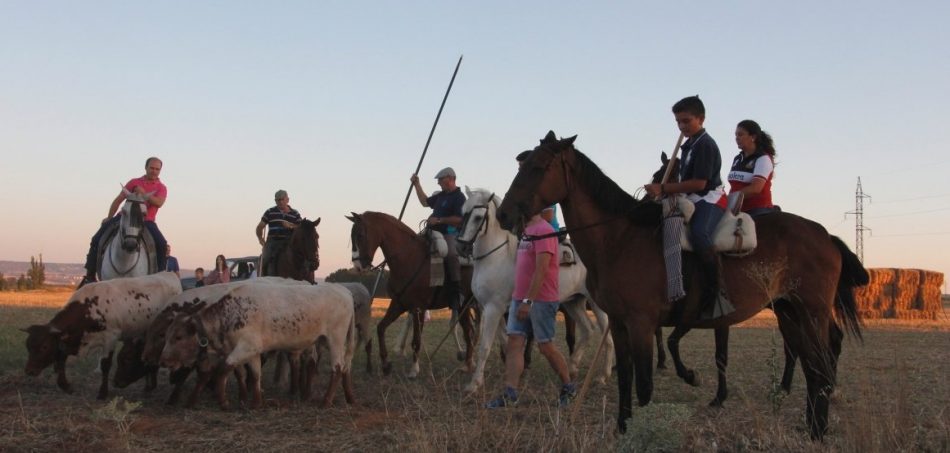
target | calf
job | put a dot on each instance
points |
(140, 358)
(98, 315)
(254, 319)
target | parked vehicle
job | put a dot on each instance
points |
(241, 269)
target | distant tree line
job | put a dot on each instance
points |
(34, 278)
(367, 279)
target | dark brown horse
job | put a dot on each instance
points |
(301, 258)
(618, 237)
(408, 257)
(780, 307)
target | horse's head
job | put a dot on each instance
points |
(541, 181)
(477, 211)
(133, 219)
(674, 173)
(365, 241)
(305, 242)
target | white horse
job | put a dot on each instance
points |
(131, 251)
(494, 251)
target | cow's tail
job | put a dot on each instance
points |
(853, 274)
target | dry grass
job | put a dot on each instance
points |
(893, 395)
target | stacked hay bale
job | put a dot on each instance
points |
(901, 294)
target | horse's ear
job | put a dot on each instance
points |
(570, 140)
(663, 158)
(549, 138)
(316, 222)
(468, 192)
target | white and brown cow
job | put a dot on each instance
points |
(254, 319)
(140, 357)
(98, 316)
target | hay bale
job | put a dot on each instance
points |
(931, 278)
(906, 286)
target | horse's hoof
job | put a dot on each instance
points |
(661, 366)
(692, 378)
(716, 403)
(460, 356)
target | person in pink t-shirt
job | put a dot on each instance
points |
(533, 309)
(149, 183)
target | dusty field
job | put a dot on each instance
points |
(893, 395)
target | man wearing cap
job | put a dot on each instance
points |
(150, 184)
(280, 221)
(446, 218)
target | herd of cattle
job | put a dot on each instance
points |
(214, 330)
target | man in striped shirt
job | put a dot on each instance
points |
(280, 221)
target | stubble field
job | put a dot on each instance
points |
(893, 395)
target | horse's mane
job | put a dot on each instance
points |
(382, 216)
(611, 198)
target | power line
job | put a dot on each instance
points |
(938, 233)
(913, 199)
(910, 213)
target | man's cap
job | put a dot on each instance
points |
(447, 171)
(523, 155)
(280, 194)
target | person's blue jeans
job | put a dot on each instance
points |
(161, 245)
(703, 224)
(541, 320)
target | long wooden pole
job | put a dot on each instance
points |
(421, 159)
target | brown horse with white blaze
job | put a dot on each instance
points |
(619, 239)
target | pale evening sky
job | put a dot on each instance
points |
(333, 102)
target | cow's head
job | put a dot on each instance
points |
(183, 342)
(129, 364)
(43, 344)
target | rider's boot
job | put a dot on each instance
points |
(713, 303)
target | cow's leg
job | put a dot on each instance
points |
(177, 379)
(311, 363)
(392, 313)
(294, 359)
(722, 361)
(204, 376)
(254, 370)
(60, 367)
(348, 387)
(337, 354)
(280, 360)
(491, 314)
(105, 364)
(369, 352)
(241, 376)
(151, 378)
(221, 385)
(673, 342)
(416, 341)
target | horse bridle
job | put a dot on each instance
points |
(135, 221)
(567, 183)
(483, 228)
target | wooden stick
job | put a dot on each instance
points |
(590, 373)
(669, 165)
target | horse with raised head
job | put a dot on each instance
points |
(301, 257)
(620, 241)
(407, 254)
(493, 280)
(128, 250)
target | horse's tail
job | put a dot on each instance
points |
(852, 274)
